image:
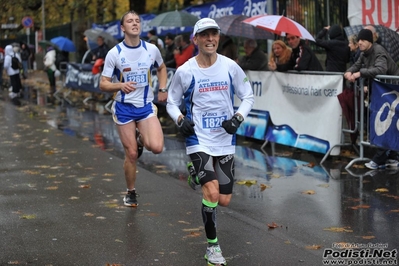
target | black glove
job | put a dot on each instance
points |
(231, 125)
(186, 127)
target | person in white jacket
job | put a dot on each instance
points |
(14, 74)
(207, 84)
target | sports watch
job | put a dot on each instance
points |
(163, 90)
(239, 118)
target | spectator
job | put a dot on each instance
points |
(25, 56)
(169, 48)
(302, 57)
(374, 60)
(354, 48)
(154, 40)
(227, 47)
(154, 33)
(254, 59)
(337, 50)
(184, 49)
(49, 61)
(101, 51)
(280, 54)
(14, 74)
(376, 37)
(1, 66)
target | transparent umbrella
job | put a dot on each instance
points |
(93, 34)
(174, 19)
(232, 25)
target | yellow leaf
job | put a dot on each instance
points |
(381, 190)
(368, 237)
(28, 216)
(51, 188)
(323, 185)
(309, 192)
(85, 186)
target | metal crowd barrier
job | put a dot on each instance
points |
(362, 119)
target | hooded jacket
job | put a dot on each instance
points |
(337, 49)
(9, 53)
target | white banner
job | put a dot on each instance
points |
(299, 110)
(376, 12)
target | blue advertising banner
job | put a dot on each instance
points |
(384, 113)
(212, 10)
(223, 8)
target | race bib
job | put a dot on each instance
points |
(140, 77)
(212, 120)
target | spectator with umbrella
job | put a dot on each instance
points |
(255, 58)
(280, 54)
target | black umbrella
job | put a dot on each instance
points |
(389, 38)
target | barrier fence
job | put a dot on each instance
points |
(375, 116)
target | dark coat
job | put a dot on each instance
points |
(375, 61)
(257, 60)
(169, 56)
(337, 49)
(302, 58)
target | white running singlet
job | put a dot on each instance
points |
(208, 94)
(126, 63)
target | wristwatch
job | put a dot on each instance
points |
(239, 118)
(163, 90)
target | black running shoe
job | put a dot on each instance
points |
(140, 146)
(130, 199)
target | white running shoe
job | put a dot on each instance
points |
(391, 163)
(214, 255)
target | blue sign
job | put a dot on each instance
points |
(27, 22)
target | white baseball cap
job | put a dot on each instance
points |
(204, 24)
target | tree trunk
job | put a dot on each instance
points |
(138, 6)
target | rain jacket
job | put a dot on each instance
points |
(375, 61)
(337, 49)
(9, 53)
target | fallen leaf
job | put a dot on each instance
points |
(394, 211)
(338, 229)
(272, 225)
(368, 237)
(360, 207)
(118, 240)
(287, 242)
(382, 190)
(85, 186)
(263, 187)
(313, 247)
(51, 188)
(323, 185)
(309, 192)
(73, 198)
(88, 214)
(28, 216)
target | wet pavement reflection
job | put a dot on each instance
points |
(313, 203)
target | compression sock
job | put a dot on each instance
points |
(209, 218)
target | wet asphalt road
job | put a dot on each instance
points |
(61, 185)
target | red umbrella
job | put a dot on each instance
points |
(279, 25)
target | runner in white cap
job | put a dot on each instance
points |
(207, 83)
